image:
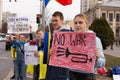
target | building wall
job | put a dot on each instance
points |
(0, 14)
(84, 5)
(111, 15)
(96, 11)
(5, 15)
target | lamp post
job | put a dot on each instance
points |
(81, 7)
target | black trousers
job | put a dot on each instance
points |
(57, 73)
(81, 76)
(36, 72)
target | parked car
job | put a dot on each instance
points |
(8, 42)
(2, 37)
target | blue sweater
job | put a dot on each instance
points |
(19, 52)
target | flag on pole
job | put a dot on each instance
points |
(65, 2)
(46, 2)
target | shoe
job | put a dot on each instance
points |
(13, 77)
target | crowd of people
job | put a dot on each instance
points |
(54, 72)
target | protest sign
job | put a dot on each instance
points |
(73, 50)
(29, 54)
(18, 25)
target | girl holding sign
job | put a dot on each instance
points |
(81, 25)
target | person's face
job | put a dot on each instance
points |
(22, 38)
(40, 34)
(17, 36)
(56, 22)
(80, 25)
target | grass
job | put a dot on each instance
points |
(111, 61)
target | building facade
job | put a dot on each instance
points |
(0, 15)
(110, 9)
(5, 15)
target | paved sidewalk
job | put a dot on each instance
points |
(9, 75)
(115, 52)
(29, 77)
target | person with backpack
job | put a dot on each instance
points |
(13, 51)
(19, 62)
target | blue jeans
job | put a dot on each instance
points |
(20, 69)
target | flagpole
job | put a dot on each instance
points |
(43, 14)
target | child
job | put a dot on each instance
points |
(39, 43)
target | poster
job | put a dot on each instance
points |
(18, 25)
(73, 50)
(29, 54)
(116, 77)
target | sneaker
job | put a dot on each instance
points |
(13, 77)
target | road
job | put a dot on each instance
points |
(5, 61)
(6, 64)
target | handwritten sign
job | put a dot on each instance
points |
(73, 50)
(29, 54)
(18, 25)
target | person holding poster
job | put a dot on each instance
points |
(19, 62)
(81, 25)
(16, 37)
(40, 45)
(53, 72)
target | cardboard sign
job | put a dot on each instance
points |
(29, 54)
(18, 25)
(73, 50)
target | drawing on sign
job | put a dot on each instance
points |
(73, 50)
(81, 58)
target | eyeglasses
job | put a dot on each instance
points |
(78, 22)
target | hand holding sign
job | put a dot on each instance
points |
(74, 50)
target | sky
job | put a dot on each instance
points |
(68, 11)
(32, 7)
(29, 8)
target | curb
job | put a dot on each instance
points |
(7, 77)
(10, 73)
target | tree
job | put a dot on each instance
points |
(103, 31)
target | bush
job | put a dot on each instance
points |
(103, 31)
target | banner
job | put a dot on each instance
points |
(73, 50)
(29, 54)
(18, 25)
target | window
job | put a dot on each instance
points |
(117, 32)
(104, 15)
(117, 17)
(110, 16)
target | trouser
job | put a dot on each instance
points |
(57, 73)
(20, 69)
(82, 76)
(36, 72)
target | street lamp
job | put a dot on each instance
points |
(81, 7)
